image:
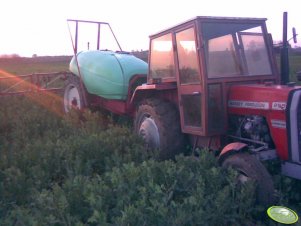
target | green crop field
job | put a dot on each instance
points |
(88, 168)
(23, 66)
(295, 66)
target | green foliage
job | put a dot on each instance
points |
(39, 149)
(294, 63)
(83, 169)
(150, 193)
(295, 66)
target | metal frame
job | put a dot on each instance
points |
(75, 44)
(190, 89)
(37, 82)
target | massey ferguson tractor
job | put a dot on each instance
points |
(210, 81)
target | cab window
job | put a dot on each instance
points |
(162, 58)
(222, 59)
(255, 53)
(235, 49)
(187, 56)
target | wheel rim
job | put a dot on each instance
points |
(71, 98)
(242, 177)
(149, 132)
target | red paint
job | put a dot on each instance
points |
(236, 146)
(275, 97)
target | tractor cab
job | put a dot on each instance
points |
(204, 57)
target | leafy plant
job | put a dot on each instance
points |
(83, 169)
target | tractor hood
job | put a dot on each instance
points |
(279, 105)
(252, 99)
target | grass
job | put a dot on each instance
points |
(295, 66)
(24, 66)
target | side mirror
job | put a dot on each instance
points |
(294, 35)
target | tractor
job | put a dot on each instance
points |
(212, 82)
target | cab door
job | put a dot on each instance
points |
(190, 91)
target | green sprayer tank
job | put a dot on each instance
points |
(106, 73)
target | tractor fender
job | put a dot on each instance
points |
(152, 90)
(230, 149)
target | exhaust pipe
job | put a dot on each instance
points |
(284, 53)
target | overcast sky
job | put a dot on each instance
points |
(39, 26)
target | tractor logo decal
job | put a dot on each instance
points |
(248, 104)
(278, 124)
(279, 106)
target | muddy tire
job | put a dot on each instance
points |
(158, 123)
(73, 94)
(249, 167)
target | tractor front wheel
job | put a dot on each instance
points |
(73, 94)
(250, 168)
(158, 123)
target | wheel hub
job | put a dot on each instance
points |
(74, 102)
(149, 132)
(71, 98)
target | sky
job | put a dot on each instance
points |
(39, 27)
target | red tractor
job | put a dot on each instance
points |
(212, 81)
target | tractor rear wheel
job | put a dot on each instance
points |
(73, 94)
(158, 123)
(250, 168)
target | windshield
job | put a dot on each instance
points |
(235, 49)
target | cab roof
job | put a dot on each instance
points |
(212, 19)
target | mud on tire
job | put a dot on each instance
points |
(158, 123)
(248, 166)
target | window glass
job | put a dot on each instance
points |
(192, 110)
(215, 108)
(235, 49)
(255, 53)
(187, 55)
(162, 58)
(222, 57)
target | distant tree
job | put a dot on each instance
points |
(10, 56)
(15, 55)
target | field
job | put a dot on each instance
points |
(23, 66)
(295, 66)
(87, 168)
